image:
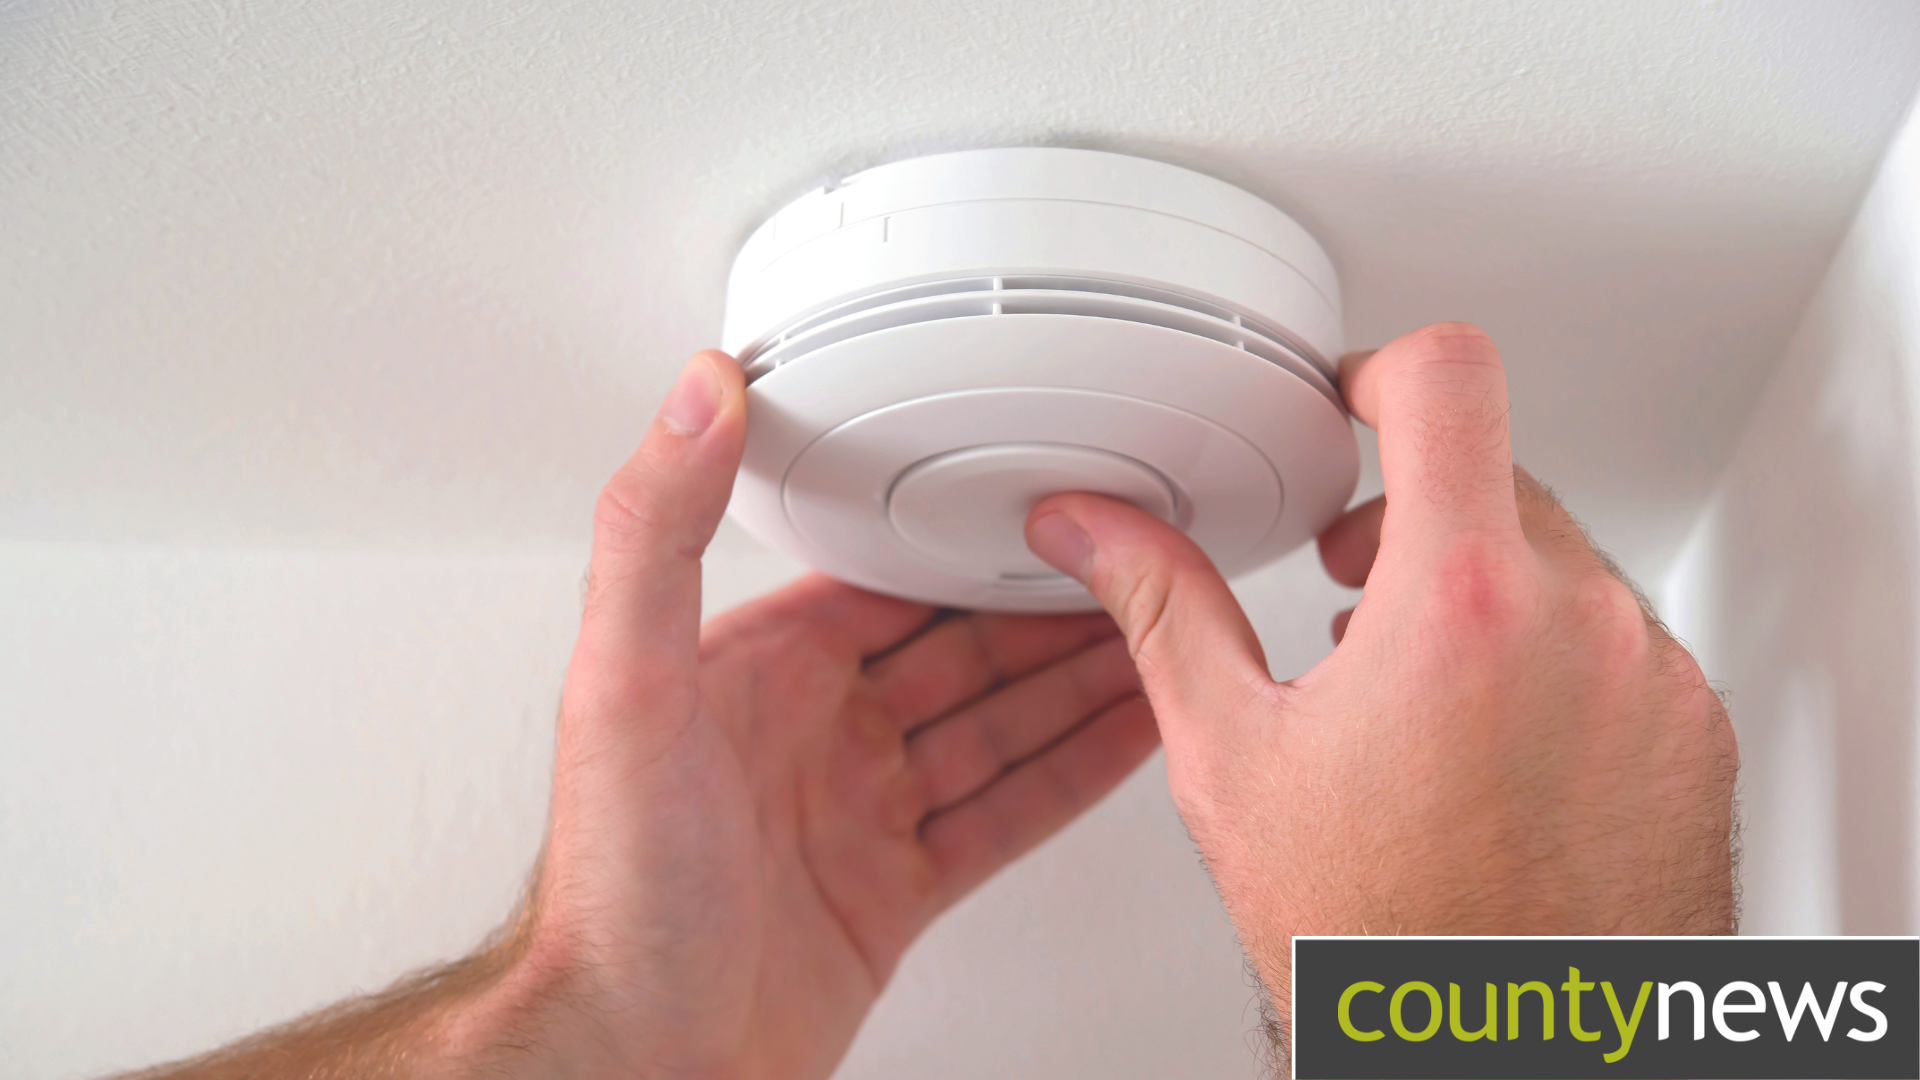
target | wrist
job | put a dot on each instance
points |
(522, 1015)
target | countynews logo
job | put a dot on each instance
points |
(1727, 1007)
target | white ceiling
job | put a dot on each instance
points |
(398, 275)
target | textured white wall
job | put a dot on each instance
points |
(1800, 589)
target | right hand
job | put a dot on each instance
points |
(1502, 740)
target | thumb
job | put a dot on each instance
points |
(639, 633)
(1196, 651)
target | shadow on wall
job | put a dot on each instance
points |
(1797, 591)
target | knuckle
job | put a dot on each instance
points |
(617, 513)
(624, 515)
(1701, 708)
(1482, 587)
(1143, 609)
(1611, 618)
(1145, 603)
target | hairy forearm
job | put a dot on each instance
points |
(400, 1032)
(482, 1013)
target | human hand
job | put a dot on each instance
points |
(1502, 739)
(752, 821)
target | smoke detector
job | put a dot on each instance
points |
(934, 346)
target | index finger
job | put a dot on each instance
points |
(1438, 398)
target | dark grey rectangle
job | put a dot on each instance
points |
(1860, 1019)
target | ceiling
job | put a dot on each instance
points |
(369, 274)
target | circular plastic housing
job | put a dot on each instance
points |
(934, 346)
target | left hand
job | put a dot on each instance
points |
(753, 820)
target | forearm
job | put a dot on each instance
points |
(493, 1010)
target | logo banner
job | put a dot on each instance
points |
(1709, 1008)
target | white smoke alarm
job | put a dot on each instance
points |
(934, 346)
